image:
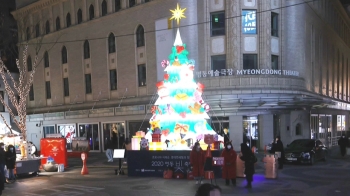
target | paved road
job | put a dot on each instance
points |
(331, 178)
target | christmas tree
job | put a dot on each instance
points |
(179, 113)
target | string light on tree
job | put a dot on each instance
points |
(20, 88)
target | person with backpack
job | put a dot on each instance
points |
(249, 159)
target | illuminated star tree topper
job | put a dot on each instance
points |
(178, 13)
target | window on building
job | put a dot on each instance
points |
(91, 12)
(147, 1)
(65, 87)
(141, 69)
(27, 34)
(218, 63)
(132, 3)
(68, 20)
(111, 43)
(29, 63)
(104, 8)
(58, 23)
(47, 27)
(37, 30)
(88, 88)
(48, 89)
(31, 93)
(86, 50)
(298, 129)
(217, 23)
(80, 16)
(250, 61)
(249, 21)
(113, 79)
(46, 59)
(274, 62)
(117, 5)
(64, 55)
(140, 36)
(274, 24)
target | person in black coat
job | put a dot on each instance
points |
(343, 142)
(248, 157)
(11, 161)
(277, 146)
(2, 167)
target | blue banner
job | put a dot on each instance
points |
(249, 22)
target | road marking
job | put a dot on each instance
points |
(70, 190)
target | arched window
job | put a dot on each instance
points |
(29, 63)
(68, 21)
(86, 50)
(46, 60)
(117, 5)
(58, 23)
(37, 30)
(111, 43)
(132, 3)
(64, 55)
(104, 8)
(91, 12)
(140, 37)
(27, 34)
(47, 27)
(80, 16)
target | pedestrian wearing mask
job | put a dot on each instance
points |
(248, 157)
(278, 149)
(11, 161)
(229, 167)
(197, 160)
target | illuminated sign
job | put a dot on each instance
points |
(231, 72)
(249, 21)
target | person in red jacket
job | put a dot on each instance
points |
(197, 159)
(229, 168)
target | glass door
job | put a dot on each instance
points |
(92, 133)
(250, 130)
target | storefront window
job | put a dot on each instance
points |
(91, 133)
(118, 128)
(48, 130)
(135, 126)
(340, 124)
(250, 130)
(68, 131)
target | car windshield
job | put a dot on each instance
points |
(302, 143)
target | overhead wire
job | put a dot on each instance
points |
(182, 26)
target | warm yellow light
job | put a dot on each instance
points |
(178, 13)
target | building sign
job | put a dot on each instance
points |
(153, 163)
(231, 72)
(249, 21)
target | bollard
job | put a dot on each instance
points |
(84, 170)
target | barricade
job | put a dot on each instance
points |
(271, 166)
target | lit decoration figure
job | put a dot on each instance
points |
(180, 112)
(18, 87)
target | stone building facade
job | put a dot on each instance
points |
(270, 67)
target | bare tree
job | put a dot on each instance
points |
(18, 88)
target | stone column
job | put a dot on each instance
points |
(236, 131)
(265, 125)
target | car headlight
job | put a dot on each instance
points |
(305, 155)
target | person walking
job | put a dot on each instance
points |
(249, 159)
(197, 160)
(109, 149)
(10, 155)
(277, 148)
(343, 143)
(229, 168)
